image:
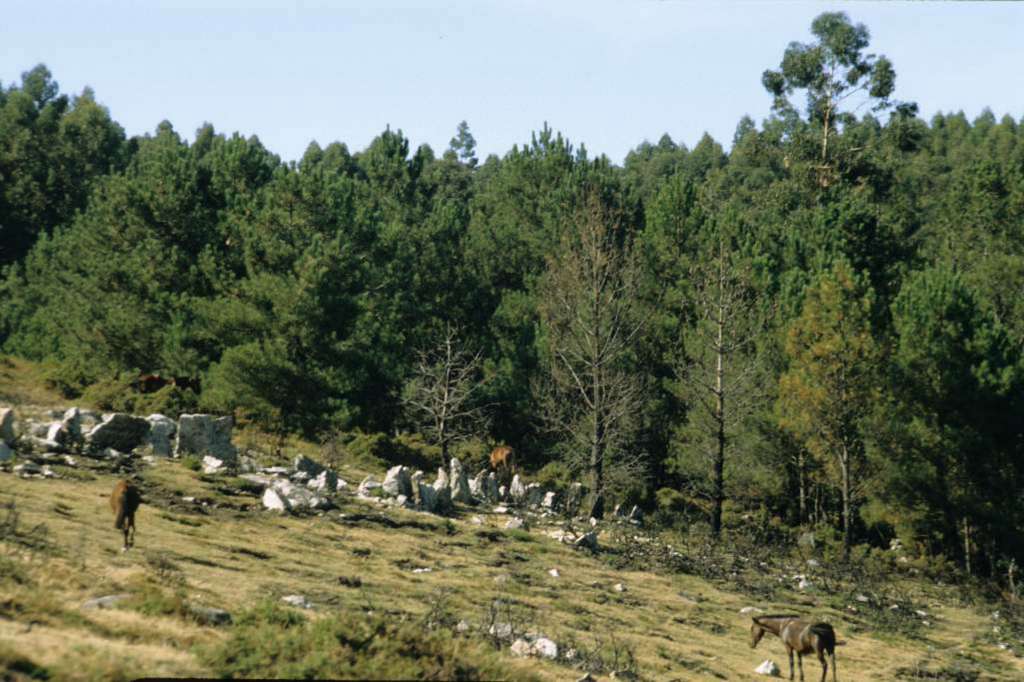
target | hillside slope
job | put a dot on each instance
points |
(386, 574)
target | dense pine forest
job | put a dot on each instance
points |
(817, 325)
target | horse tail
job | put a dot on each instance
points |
(119, 501)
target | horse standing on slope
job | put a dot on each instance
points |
(503, 462)
(124, 501)
(801, 636)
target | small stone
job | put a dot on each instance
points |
(205, 615)
(554, 573)
(520, 648)
(501, 630)
(105, 602)
(514, 524)
(298, 601)
(749, 610)
(462, 626)
(768, 667)
(422, 570)
(544, 648)
(619, 587)
(476, 521)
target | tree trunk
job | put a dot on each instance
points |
(967, 546)
(719, 474)
(802, 485)
(844, 464)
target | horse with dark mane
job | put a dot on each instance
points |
(124, 501)
(801, 636)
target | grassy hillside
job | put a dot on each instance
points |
(635, 605)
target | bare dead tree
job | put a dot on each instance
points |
(442, 395)
(720, 375)
(590, 314)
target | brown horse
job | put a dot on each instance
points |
(503, 461)
(124, 501)
(801, 636)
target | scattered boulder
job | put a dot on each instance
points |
(516, 490)
(554, 573)
(161, 431)
(588, 540)
(543, 647)
(767, 668)
(212, 465)
(443, 492)
(397, 482)
(619, 587)
(6, 453)
(750, 610)
(247, 465)
(534, 495)
(370, 487)
(205, 434)
(521, 648)
(122, 432)
(283, 495)
(490, 488)
(274, 501)
(7, 425)
(459, 483)
(549, 501)
(325, 482)
(306, 465)
(206, 615)
(514, 524)
(476, 485)
(501, 630)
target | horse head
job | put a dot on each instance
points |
(756, 633)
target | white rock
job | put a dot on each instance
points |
(517, 491)
(750, 609)
(549, 500)
(326, 481)
(619, 587)
(514, 524)
(369, 487)
(212, 465)
(554, 573)
(476, 521)
(459, 482)
(587, 540)
(298, 601)
(544, 648)
(767, 668)
(521, 648)
(462, 626)
(501, 630)
(121, 432)
(422, 570)
(161, 434)
(205, 434)
(501, 509)
(397, 482)
(6, 425)
(105, 602)
(274, 501)
(342, 485)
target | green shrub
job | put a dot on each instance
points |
(169, 401)
(270, 641)
(114, 395)
(671, 501)
(191, 462)
(380, 451)
(554, 476)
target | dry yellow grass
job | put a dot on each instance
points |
(231, 556)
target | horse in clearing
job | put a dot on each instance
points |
(801, 636)
(503, 461)
(124, 501)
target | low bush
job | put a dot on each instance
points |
(271, 641)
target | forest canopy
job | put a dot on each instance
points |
(823, 321)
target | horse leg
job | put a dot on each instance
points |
(800, 664)
(833, 657)
(790, 652)
(824, 665)
(132, 541)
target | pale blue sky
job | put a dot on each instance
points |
(608, 74)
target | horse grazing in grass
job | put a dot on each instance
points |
(801, 636)
(503, 461)
(124, 501)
